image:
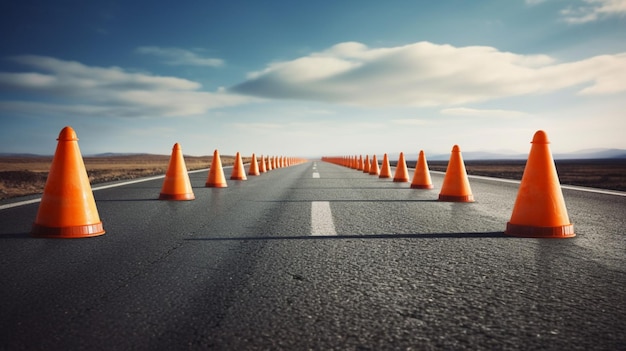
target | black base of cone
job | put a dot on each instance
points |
(81, 231)
(177, 197)
(529, 231)
(418, 186)
(456, 198)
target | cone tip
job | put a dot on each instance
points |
(456, 148)
(67, 134)
(540, 137)
(176, 146)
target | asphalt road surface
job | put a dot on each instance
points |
(315, 256)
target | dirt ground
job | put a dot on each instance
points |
(21, 176)
(596, 173)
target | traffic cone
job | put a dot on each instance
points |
(239, 173)
(539, 210)
(176, 185)
(216, 177)
(262, 165)
(374, 166)
(385, 170)
(402, 173)
(67, 208)
(359, 165)
(254, 167)
(268, 163)
(366, 164)
(456, 187)
(421, 177)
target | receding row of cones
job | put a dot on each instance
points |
(421, 177)
(68, 208)
(217, 179)
(177, 185)
(539, 209)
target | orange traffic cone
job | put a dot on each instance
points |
(268, 162)
(67, 208)
(421, 177)
(385, 170)
(374, 166)
(539, 210)
(456, 187)
(359, 165)
(239, 173)
(254, 167)
(366, 164)
(262, 165)
(402, 173)
(176, 185)
(216, 177)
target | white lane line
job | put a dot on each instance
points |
(32, 201)
(322, 219)
(316, 175)
(570, 187)
(21, 203)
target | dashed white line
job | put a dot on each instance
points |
(322, 219)
(316, 175)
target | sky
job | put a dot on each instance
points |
(312, 78)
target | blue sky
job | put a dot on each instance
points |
(312, 78)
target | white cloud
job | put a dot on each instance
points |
(179, 57)
(79, 89)
(594, 10)
(427, 74)
(464, 111)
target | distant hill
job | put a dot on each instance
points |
(115, 154)
(593, 153)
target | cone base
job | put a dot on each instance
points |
(177, 197)
(422, 186)
(216, 185)
(401, 180)
(80, 231)
(529, 231)
(384, 176)
(254, 174)
(238, 178)
(456, 198)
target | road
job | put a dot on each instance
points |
(315, 256)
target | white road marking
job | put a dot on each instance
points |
(32, 201)
(570, 187)
(322, 219)
(316, 175)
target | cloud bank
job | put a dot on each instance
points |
(179, 57)
(594, 10)
(427, 74)
(71, 87)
